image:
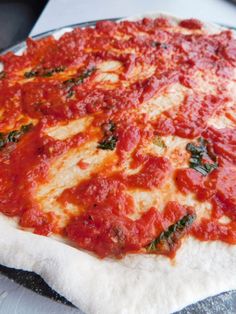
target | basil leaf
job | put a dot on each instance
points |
(50, 72)
(2, 75)
(43, 72)
(170, 236)
(30, 74)
(108, 143)
(74, 81)
(197, 154)
(14, 136)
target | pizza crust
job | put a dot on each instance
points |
(136, 284)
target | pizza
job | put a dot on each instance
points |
(118, 154)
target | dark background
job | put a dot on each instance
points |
(17, 18)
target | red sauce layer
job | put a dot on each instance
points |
(53, 83)
(218, 188)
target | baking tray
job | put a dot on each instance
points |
(222, 303)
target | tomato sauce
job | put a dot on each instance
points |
(105, 228)
(53, 83)
(218, 188)
(190, 119)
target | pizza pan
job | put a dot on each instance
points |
(222, 303)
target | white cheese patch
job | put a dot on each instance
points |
(224, 220)
(141, 72)
(107, 74)
(62, 132)
(107, 78)
(171, 98)
(110, 65)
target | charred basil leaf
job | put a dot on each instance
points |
(50, 72)
(14, 136)
(109, 139)
(168, 238)
(79, 79)
(30, 74)
(2, 140)
(108, 142)
(112, 126)
(43, 72)
(198, 152)
(2, 75)
(73, 81)
(70, 94)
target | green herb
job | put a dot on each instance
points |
(168, 238)
(79, 79)
(108, 143)
(43, 72)
(109, 140)
(2, 141)
(50, 72)
(159, 142)
(14, 136)
(47, 74)
(197, 155)
(30, 74)
(112, 126)
(74, 81)
(70, 94)
(2, 75)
